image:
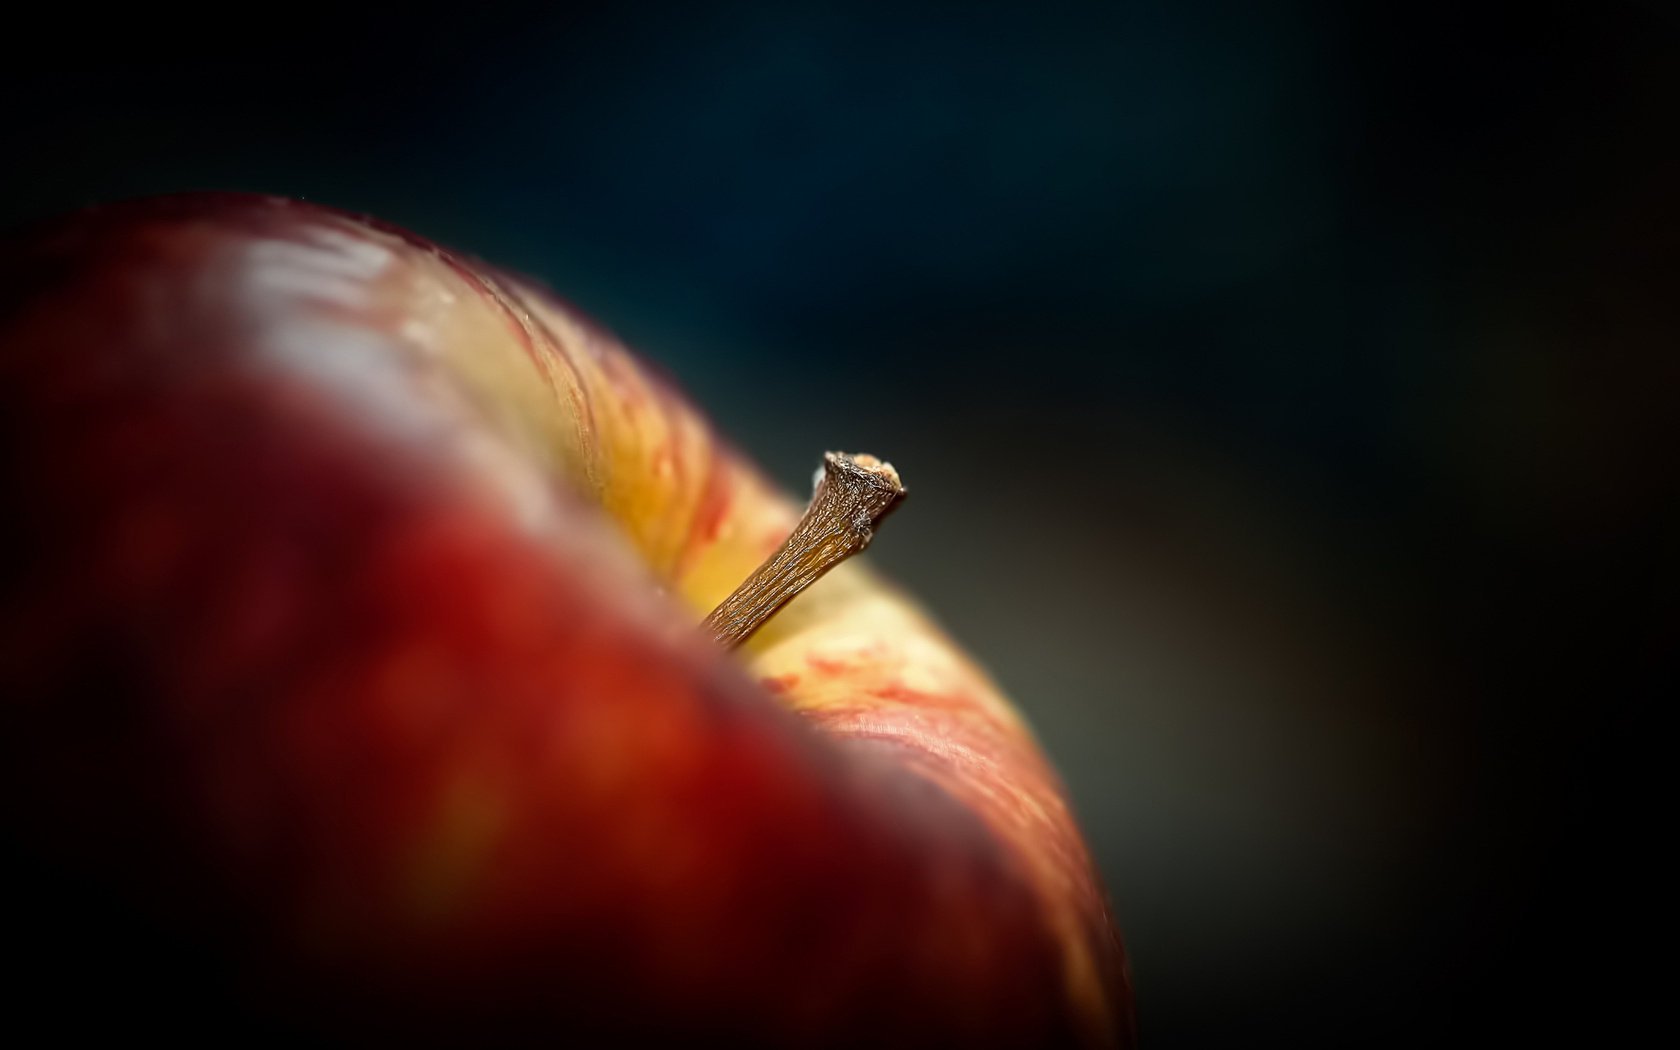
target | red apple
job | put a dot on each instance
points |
(353, 685)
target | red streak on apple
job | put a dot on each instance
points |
(348, 628)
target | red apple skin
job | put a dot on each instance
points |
(344, 699)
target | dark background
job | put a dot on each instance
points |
(1286, 391)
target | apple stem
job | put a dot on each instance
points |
(851, 496)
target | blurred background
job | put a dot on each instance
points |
(1287, 392)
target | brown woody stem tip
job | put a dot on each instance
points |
(851, 496)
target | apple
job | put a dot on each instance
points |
(354, 685)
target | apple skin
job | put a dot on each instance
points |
(352, 685)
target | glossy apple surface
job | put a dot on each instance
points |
(352, 685)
